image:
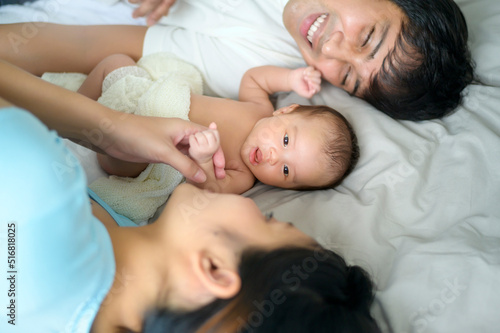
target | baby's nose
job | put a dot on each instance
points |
(272, 156)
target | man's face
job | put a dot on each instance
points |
(346, 40)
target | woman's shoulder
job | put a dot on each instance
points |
(58, 247)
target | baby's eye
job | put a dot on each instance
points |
(285, 140)
(285, 170)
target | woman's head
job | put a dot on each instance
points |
(204, 235)
(288, 289)
(301, 147)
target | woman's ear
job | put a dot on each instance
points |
(218, 275)
(285, 109)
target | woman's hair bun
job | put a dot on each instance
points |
(359, 288)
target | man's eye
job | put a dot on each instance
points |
(285, 140)
(346, 75)
(367, 39)
(285, 171)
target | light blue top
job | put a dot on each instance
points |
(61, 255)
(121, 220)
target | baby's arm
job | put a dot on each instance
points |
(260, 82)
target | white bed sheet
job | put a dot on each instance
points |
(71, 12)
(421, 212)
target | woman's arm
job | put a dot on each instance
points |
(40, 47)
(124, 136)
(260, 82)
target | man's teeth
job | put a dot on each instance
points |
(316, 24)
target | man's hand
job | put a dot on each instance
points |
(154, 9)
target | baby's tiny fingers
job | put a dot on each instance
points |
(213, 136)
(212, 126)
(203, 138)
(192, 140)
(309, 69)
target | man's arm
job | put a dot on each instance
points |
(40, 47)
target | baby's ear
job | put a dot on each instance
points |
(285, 109)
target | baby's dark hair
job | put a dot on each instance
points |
(341, 144)
(289, 289)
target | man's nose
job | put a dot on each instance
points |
(338, 47)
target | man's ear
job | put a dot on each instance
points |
(285, 109)
(218, 275)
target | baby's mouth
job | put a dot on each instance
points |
(255, 156)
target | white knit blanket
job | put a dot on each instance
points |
(160, 85)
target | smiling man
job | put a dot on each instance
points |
(408, 58)
(374, 49)
(346, 41)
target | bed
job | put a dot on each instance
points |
(421, 211)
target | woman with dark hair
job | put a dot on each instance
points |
(291, 289)
(77, 266)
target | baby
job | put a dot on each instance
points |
(294, 147)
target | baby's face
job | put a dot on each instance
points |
(286, 151)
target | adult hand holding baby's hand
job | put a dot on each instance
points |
(204, 144)
(154, 9)
(158, 140)
(305, 81)
(204, 147)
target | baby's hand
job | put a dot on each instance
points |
(305, 81)
(203, 145)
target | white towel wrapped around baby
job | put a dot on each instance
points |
(160, 85)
